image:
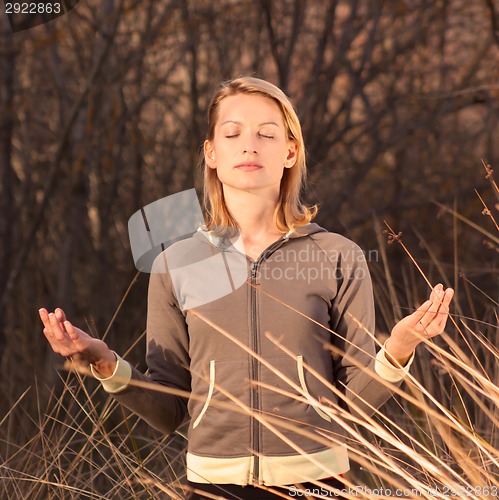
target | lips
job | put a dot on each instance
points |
(249, 166)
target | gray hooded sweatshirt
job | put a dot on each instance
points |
(262, 357)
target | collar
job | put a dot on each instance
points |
(298, 232)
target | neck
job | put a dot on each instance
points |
(253, 211)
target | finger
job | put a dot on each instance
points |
(44, 316)
(443, 312)
(48, 333)
(434, 295)
(441, 320)
(439, 296)
(419, 313)
(431, 314)
(61, 316)
(444, 298)
(57, 331)
(437, 324)
(54, 343)
(448, 295)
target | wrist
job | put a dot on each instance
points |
(398, 354)
(106, 365)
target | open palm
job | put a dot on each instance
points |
(68, 340)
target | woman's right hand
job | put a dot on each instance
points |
(68, 340)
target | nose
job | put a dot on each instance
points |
(250, 145)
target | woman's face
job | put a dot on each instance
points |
(250, 149)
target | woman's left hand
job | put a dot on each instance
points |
(427, 321)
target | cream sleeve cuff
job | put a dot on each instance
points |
(389, 372)
(119, 379)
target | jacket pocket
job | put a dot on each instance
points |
(219, 427)
(301, 378)
(208, 396)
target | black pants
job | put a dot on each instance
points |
(235, 492)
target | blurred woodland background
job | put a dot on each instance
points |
(103, 111)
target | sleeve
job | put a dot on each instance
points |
(352, 318)
(167, 359)
(387, 370)
(120, 377)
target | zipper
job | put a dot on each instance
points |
(255, 346)
(255, 396)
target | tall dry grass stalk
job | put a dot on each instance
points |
(438, 437)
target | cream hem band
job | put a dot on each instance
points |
(273, 471)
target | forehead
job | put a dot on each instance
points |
(246, 108)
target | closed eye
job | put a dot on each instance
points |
(261, 135)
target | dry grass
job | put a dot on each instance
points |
(437, 438)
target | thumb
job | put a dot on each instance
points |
(71, 330)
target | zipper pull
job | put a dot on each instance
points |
(254, 275)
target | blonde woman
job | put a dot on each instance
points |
(248, 365)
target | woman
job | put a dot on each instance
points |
(250, 353)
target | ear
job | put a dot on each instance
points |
(209, 154)
(292, 154)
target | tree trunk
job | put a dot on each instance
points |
(7, 63)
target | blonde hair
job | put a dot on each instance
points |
(290, 211)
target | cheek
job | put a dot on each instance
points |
(278, 158)
(224, 152)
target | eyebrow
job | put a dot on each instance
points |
(239, 123)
